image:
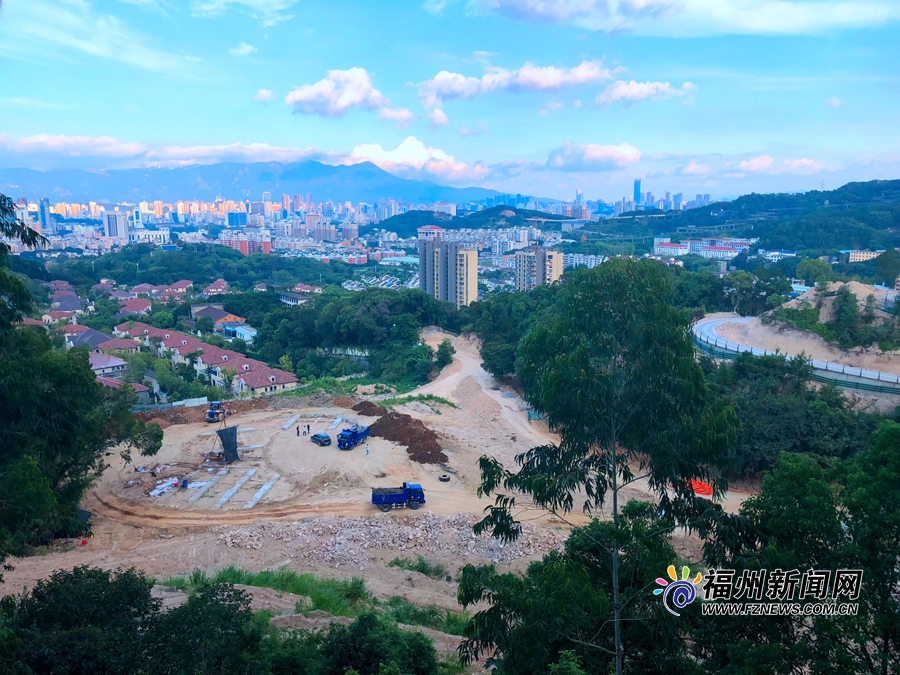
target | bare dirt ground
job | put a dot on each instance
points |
(793, 342)
(318, 514)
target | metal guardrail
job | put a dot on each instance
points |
(825, 371)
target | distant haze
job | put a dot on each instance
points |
(362, 182)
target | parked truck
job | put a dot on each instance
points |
(350, 438)
(410, 494)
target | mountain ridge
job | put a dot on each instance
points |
(363, 182)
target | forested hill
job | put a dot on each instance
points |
(406, 224)
(200, 263)
(864, 215)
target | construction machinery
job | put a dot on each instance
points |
(409, 494)
(353, 436)
(216, 412)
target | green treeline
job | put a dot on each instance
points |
(200, 263)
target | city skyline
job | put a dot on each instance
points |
(513, 95)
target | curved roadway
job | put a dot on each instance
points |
(705, 331)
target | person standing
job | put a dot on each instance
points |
(298, 429)
(367, 449)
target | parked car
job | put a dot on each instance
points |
(321, 439)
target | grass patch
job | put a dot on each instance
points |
(336, 387)
(428, 399)
(435, 571)
(336, 596)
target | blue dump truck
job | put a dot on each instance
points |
(350, 438)
(411, 495)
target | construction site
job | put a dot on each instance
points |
(282, 501)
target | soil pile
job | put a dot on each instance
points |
(343, 401)
(421, 442)
(369, 409)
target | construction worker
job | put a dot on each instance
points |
(298, 431)
(367, 449)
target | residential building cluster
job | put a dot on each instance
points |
(713, 248)
(225, 369)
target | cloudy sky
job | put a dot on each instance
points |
(541, 97)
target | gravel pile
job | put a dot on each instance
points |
(344, 542)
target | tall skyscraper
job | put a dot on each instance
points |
(537, 265)
(115, 224)
(286, 203)
(267, 196)
(447, 270)
(637, 190)
(579, 197)
(48, 225)
(298, 203)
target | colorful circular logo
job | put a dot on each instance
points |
(678, 593)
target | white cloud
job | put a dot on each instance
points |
(243, 49)
(53, 150)
(413, 158)
(337, 93)
(692, 18)
(632, 92)
(401, 117)
(695, 169)
(834, 102)
(78, 146)
(267, 11)
(264, 95)
(435, 7)
(481, 128)
(550, 108)
(37, 26)
(577, 105)
(438, 118)
(446, 85)
(802, 166)
(757, 163)
(591, 157)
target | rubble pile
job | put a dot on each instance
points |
(341, 542)
(421, 442)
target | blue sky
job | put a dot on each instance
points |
(534, 96)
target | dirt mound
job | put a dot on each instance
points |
(421, 442)
(183, 415)
(369, 409)
(163, 424)
(343, 402)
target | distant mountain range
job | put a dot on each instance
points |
(362, 182)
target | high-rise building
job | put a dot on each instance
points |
(349, 231)
(115, 225)
(447, 270)
(286, 203)
(579, 197)
(266, 196)
(537, 265)
(637, 190)
(298, 203)
(236, 219)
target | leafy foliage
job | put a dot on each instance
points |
(781, 412)
(200, 263)
(118, 629)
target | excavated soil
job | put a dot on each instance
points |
(183, 415)
(369, 409)
(421, 443)
(343, 401)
